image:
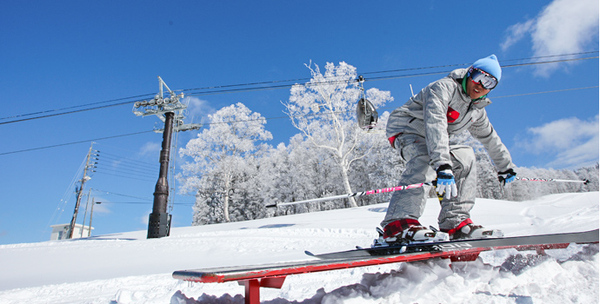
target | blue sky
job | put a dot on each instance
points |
(64, 54)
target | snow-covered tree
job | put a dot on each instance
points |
(324, 111)
(526, 190)
(487, 175)
(489, 187)
(223, 160)
(591, 174)
(381, 166)
(298, 172)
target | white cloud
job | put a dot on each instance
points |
(573, 143)
(516, 33)
(99, 207)
(197, 110)
(585, 154)
(562, 27)
(151, 148)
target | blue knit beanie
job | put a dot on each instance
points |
(489, 64)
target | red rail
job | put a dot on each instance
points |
(273, 275)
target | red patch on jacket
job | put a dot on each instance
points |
(452, 115)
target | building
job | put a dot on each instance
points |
(60, 232)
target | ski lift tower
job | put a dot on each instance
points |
(170, 111)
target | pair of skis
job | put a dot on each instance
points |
(273, 275)
(462, 250)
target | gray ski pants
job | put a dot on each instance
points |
(411, 203)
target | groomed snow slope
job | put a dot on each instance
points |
(128, 268)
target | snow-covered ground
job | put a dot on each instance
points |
(128, 268)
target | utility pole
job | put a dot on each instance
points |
(169, 110)
(84, 179)
(85, 212)
(92, 214)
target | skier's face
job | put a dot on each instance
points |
(475, 89)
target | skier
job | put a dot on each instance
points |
(420, 130)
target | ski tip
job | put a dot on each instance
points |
(309, 253)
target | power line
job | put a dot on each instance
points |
(77, 106)
(546, 92)
(258, 119)
(221, 89)
(144, 203)
(266, 86)
(128, 174)
(145, 200)
(467, 64)
(549, 62)
(115, 165)
(128, 163)
(148, 177)
(278, 84)
(121, 194)
(148, 164)
(318, 114)
(75, 142)
(263, 118)
(504, 66)
(62, 113)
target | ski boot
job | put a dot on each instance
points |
(408, 231)
(468, 230)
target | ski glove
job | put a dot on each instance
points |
(507, 176)
(445, 182)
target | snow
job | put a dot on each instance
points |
(128, 268)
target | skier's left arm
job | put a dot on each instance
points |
(483, 131)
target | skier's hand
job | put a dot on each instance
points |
(507, 176)
(446, 182)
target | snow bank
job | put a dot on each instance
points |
(127, 268)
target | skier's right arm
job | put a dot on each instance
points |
(435, 107)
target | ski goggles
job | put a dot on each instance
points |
(484, 78)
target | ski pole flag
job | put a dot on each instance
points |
(383, 190)
(535, 179)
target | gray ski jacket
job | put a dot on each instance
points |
(441, 109)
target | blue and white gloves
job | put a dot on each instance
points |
(507, 176)
(445, 182)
